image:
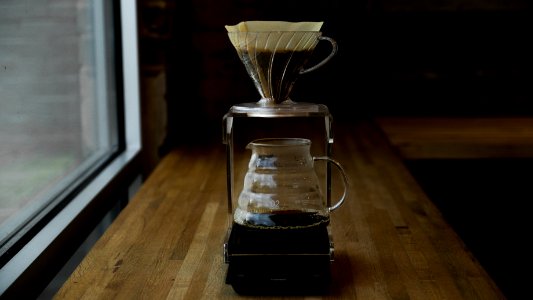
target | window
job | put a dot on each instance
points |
(69, 127)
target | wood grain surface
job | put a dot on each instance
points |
(461, 137)
(390, 241)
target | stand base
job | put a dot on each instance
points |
(281, 275)
(284, 262)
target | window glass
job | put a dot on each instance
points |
(57, 105)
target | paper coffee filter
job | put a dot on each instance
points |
(257, 26)
(274, 35)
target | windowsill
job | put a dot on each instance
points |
(37, 262)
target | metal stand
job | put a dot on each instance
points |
(277, 261)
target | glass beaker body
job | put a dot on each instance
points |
(281, 189)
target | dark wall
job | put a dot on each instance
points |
(454, 58)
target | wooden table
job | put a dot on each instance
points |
(460, 137)
(390, 240)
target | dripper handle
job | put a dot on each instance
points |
(344, 177)
(334, 48)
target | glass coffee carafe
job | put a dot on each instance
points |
(281, 188)
(279, 195)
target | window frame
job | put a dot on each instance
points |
(31, 268)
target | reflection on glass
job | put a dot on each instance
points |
(56, 105)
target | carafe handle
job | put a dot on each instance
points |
(344, 177)
(334, 48)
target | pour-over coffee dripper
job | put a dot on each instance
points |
(278, 239)
(275, 54)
